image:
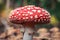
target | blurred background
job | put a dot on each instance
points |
(53, 6)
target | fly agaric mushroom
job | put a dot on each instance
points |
(29, 16)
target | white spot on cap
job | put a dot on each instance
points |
(23, 17)
(41, 15)
(22, 8)
(46, 14)
(28, 8)
(15, 16)
(26, 14)
(38, 11)
(17, 12)
(46, 11)
(37, 7)
(25, 9)
(23, 14)
(31, 16)
(26, 17)
(34, 10)
(18, 9)
(36, 16)
(19, 18)
(31, 13)
(43, 10)
(44, 19)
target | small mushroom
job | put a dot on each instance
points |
(28, 16)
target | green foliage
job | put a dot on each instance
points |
(31, 2)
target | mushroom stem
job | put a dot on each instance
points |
(28, 36)
(29, 29)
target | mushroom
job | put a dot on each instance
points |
(28, 16)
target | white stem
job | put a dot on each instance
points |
(26, 34)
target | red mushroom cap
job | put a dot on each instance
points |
(29, 14)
